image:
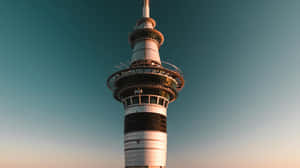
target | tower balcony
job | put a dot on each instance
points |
(156, 80)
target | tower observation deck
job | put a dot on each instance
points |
(146, 88)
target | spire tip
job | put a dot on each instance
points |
(146, 9)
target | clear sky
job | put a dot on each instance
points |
(239, 109)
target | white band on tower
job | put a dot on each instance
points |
(146, 9)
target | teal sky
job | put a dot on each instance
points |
(239, 109)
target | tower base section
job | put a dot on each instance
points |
(145, 149)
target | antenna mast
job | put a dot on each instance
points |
(146, 9)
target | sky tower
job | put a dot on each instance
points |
(146, 88)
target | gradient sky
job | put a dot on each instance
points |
(239, 109)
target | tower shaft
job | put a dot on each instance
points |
(146, 89)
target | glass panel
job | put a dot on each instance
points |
(128, 102)
(135, 100)
(145, 99)
(124, 103)
(161, 101)
(153, 100)
(166, 103)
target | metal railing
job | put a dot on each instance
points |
(174, 73)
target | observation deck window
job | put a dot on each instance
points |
(153, 100)
(161, 101)
(124, 104)
(128, 101)
(166, 103)
(135, 100)
(145, 99)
